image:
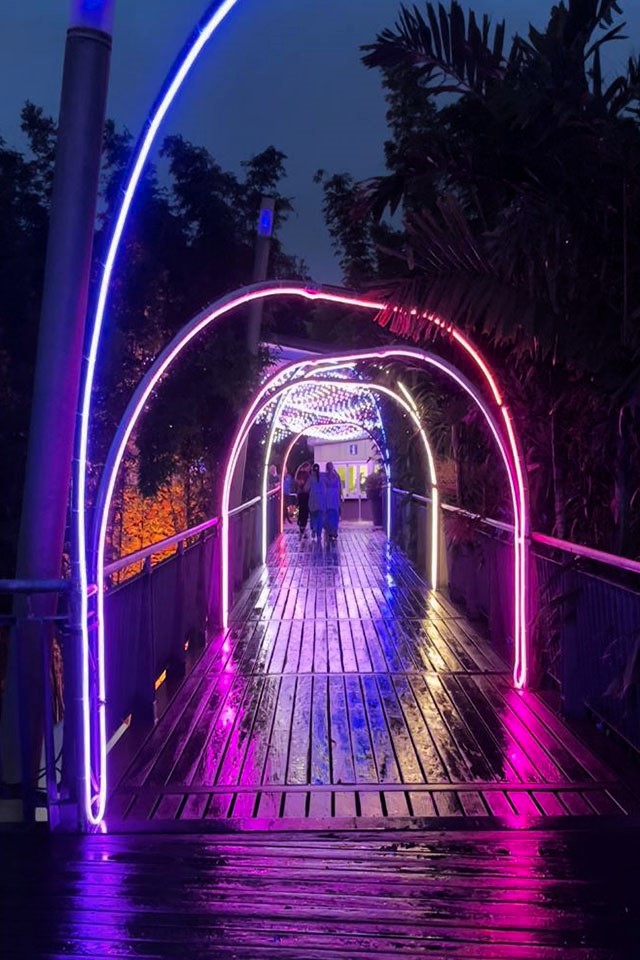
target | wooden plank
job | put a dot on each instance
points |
(363, 754)
(298, 768)
(386, 764)
(244, 806)
(295, 806)
(320, 753)
(168, 807)
(523, 803)
(370, 804)
(395, 802)
(342, 766)
(575, 803)
(408, 763)
(276, 766)
(344, 803)
(270, 805)
(468, 746)
(430, 760)
(320, 651)
(422, 803)
(320, 805)
(498, 803)
(194, 806)
(447, 803)
(549, 803)
(471, 803)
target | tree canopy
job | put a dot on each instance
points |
(513, 189)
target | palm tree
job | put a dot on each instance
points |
(520, 195)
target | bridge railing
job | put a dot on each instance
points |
(35, 631)
(156, 616)
(586, 619)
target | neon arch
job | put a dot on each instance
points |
(267, 457)
(92, 648)
(508, 448)
(413, 413)
(241, 436)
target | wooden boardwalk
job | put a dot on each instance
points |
(346, 773)
(345, 695)
(508, 895)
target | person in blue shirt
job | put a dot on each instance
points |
(333, 493)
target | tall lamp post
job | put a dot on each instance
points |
(59, 358)
(264, 234)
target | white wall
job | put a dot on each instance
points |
(344, 452)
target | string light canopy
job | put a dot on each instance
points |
(325, 411)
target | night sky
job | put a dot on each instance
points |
(286, 72)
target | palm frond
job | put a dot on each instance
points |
(455, 55)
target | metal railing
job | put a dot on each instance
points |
(153, 618)
(37, 626)
(586, 625)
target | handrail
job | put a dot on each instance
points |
(567, 546)
(34, 586)
(590, 553)
(161, 545)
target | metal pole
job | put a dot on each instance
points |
(59, 355)
(264, 233)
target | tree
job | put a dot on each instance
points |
(518, 185)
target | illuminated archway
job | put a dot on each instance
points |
(241, 436)
(274, 425)
(87, 552)
(334, 365)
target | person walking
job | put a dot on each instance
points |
(290, 498)
(333, 495)
(317, 502)
(302, 490)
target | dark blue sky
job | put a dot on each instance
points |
(286, 72)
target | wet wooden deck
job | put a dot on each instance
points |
(344, 695)
(508, 895)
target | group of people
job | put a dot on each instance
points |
(319, 498)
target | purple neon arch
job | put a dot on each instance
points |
(270, 392)
(408, 406)
(93, 690)
(508, 448)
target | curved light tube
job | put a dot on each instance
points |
(515, 478)
(269, 446)
(93, 565)
(94, 805)
(243, 432)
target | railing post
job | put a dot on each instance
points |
(197, 636)
(176, 666)
(144, 706)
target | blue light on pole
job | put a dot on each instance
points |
(265, 222)
(95, 14)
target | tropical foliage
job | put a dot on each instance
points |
(191, 239)
(514, 176)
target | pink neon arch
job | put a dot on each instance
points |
(95, 560)
(406, 402)
(93, 689)
(267, 394)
